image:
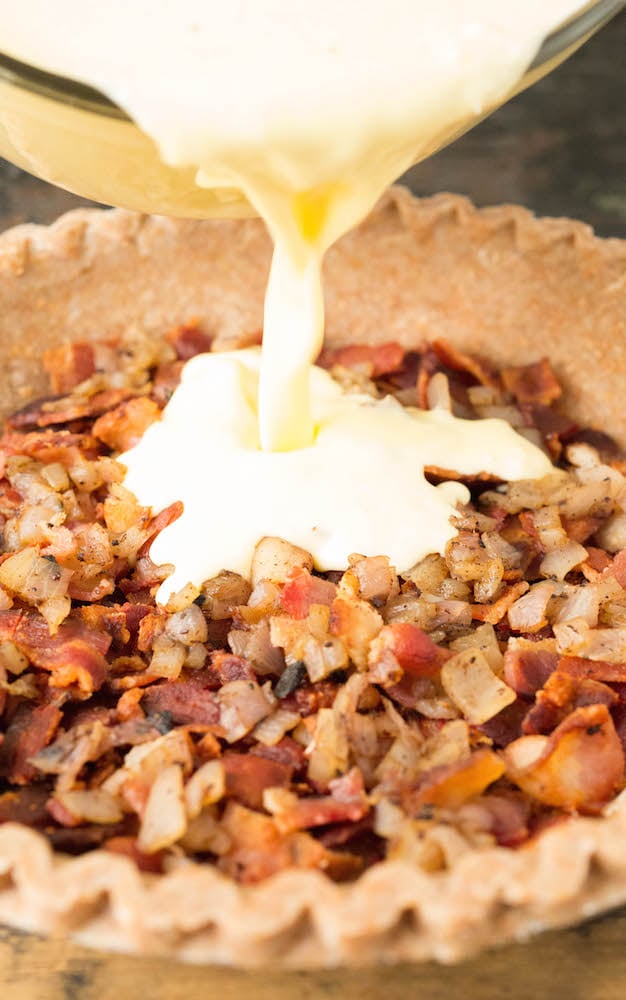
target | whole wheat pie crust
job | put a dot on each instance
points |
(498, 282)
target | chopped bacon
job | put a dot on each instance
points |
(259, 850)
(373, 359)
(248, 775)
(127, 846)
(68, 365)
(123, 427)
(25, 805)
(411, 647)
(225, 667)
(31, 729)
(528, 665)
(560, 695)
(166, 381)
(74, 656)
(450, 785)
(347, 802)
(302, 590)
(553, 426)
(494, 613)
(309, 699)
(599, 670)
(158, 524)
(428, 365)
(599, 560)
(188, 340)
(111, 619)
(287, 751)
(535, 383)
(68, 448)
(188, 702)
(581, 528)
(64, 409)
(451, 357)
(506, 726)
(618, 568)
(580, 766)
(506, 817)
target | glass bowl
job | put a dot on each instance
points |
(74, 137)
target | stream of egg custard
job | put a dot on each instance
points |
(309, 110)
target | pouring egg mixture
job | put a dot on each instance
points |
(310, 119)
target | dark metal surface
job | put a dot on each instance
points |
(559, 148)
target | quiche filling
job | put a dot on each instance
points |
(298, 718)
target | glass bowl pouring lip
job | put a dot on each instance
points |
(85, 98)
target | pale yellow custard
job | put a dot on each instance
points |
(310, 110)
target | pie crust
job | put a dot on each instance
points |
(497, 281)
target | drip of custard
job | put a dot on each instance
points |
(309, 110)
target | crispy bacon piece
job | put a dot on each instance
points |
(413, 650)
(25, 805)
(373, 359)
(259, 849)
(31, 729)
(248, 775)
(579, 767)
(308, 700)
(535, 383)
(166, 381)
(123, 427)
(506, 726)
(451, 357)
(287, 751)
(598, 670)
(527, 667)
(506, 817)
(128, 847)
(347, 802)
(68, 365)
(68, 448)
(226, 667)
(553, 426)
(64, 409)
(75, 656)
(158, 524)
(492, 614)
(302, 590)
(188, 702)
(188, 340)
(618, 567)
(450, 785)
(560, 695)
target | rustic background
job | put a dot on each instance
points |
(559, 149)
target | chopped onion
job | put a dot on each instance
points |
(271, 730)
(254, 644)
(242, 705)
(165, 818)
(274, 559)
(472, 685)
(223, 593)
(168, 657)
(187, 626)
(206, 786)
(528, 613)
(484, 639)
(560, 561)
(91, 806)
